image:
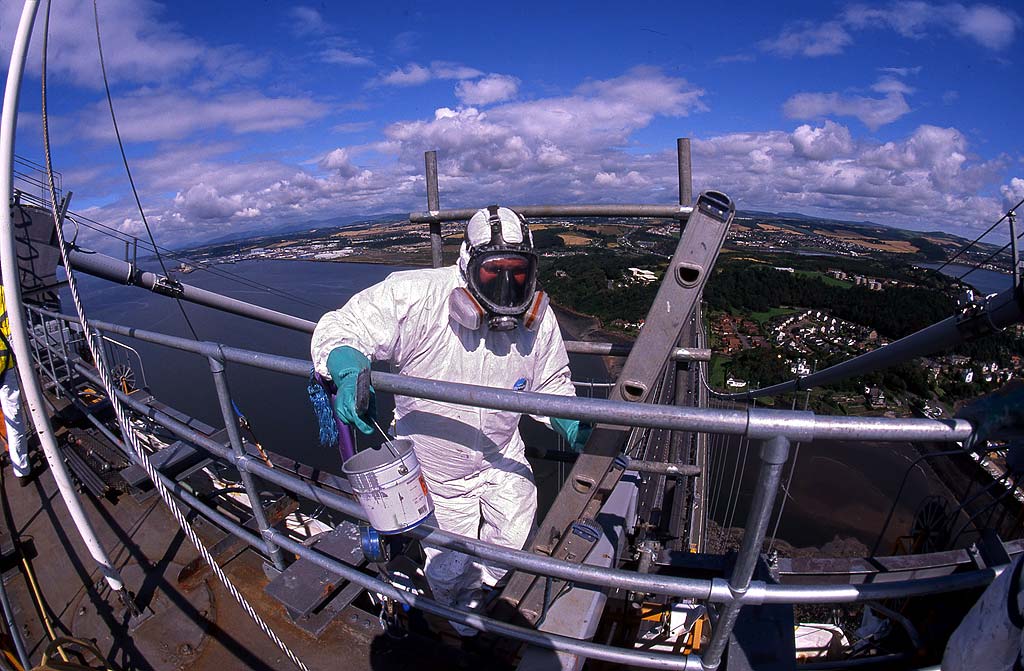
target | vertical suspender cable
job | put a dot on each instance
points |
(15, 310)
(784, 494)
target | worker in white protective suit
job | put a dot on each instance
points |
(991, 635)
(480, 322)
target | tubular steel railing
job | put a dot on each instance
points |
(774, 428)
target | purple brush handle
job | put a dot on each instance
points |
(345, 442)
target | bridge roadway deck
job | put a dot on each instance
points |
(203, 629)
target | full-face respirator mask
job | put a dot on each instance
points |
(500, 273)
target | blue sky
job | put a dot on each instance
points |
(240, 116)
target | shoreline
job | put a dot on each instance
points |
(582, 326)
(579, 326)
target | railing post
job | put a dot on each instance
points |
(32, 339)
(433, 205)
(64, 350)
(235, 437)
(48, 343)
(774, 453)
(685, 171)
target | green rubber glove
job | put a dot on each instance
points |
(345, 364)
(574, 431)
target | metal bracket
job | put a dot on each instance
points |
(168, 287)
(597, 471)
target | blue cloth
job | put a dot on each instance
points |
(324, 410)
(345, 364)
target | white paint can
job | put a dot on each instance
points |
(390, 487)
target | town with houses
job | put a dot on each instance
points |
(806, 339)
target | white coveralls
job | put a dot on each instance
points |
(10, 400)
(472, 458)
(991, 636)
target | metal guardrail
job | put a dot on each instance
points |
(776, 428)
(552, 211)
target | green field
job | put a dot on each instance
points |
(717, 372)
(762, 317)
(830, 281)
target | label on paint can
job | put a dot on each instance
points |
(391, 490)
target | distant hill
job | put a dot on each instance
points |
(300, 226)
(934, 244)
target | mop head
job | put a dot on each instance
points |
(324, 410)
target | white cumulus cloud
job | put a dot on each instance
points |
(337, 56)
(149, 115)
(991, 27)
(830, 141)
(141, 46)
(579, 146)
(808, 39)
(1013, 192)
(415, 74)
(486, 90)
(873, 112)
(339, 161)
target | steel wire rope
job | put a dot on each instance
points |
(1008, 489)
(732, 502)
(712, 469)
(127, 430)
(734, 495)
(715, 465)
(903, 482)
(785, 495)
(719, 453)
(124, 159)
(721, 448)
(1001, 480)
(978, 239)
(991, 256)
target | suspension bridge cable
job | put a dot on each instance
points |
(1009, 489)
(718, 449)
(977, 239)
(991, 256)
(127, 430)
(738, 482)
(789, 480)
(124, 159)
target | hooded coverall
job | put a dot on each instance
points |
(472, 458)
(10, 398)
(991, 635)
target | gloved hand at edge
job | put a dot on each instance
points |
(999, 415)
(344, 364)
(574, 431)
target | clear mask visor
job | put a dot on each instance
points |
(504, 280)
